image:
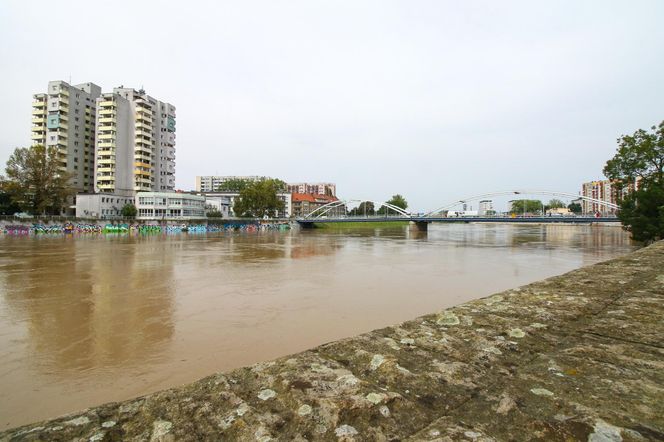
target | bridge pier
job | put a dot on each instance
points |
(418, 226)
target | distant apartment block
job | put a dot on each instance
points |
(135, 149)
(329, 189)
(64, 117)
(486, 208)
(603, 190)
(305, 203)
(211, 183)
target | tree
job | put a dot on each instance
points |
(639, 164)
(396, 200)
(233, 185)
(520, 207)
(555, 204)
(640, 157)
(365, 208)
(129, 211)
(7, 206)
(35, 180)
(575, 208)
(259, 199)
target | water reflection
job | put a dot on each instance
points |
(87, 320)
(89, 304)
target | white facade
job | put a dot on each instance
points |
(210, 183)
(169, 206)
(221, 204)
(231, 196)
(101, 205)
(64, 117)
(135, 148)
(485, 207)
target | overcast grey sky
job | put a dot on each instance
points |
(431, 99)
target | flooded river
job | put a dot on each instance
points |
(91, 319)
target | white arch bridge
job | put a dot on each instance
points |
(330, 213)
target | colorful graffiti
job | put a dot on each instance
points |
(125, 228)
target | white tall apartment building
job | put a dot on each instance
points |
(135, 149)
(65, 117)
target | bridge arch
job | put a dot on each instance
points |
(322, 210)
(522, 192)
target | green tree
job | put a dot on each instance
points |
(520, 207)
(259, 199)
(129, 211)
(396, 200)
(639, 157)
(35, 182)
(233, 185)
(555, 204)
(639, 162)
(365, 208)
(575, 208)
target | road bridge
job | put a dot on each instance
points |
(329, 213)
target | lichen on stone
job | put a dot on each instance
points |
(266, 394)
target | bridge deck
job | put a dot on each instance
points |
(534, 219)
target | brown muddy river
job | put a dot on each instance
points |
(91, 319)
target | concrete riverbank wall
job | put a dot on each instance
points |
(575, 357)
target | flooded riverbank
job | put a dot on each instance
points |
(90, 319)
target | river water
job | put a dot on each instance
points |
(91, 319)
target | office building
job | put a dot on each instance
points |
(64, 117)
(169, 205)
(486, 208)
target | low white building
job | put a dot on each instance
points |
(169, 206)
(231, 196)
(101, 205)
(221, 204)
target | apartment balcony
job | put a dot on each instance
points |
(109, 170)
(144, 126)
(107, 103)
(39, 120)
(108, 120)
(38, 136)
(64, 92)
(142, 164)
(106, 128)
(106, 136)
(107, 111)
(144, 136)
(106, 161)
(39, 111)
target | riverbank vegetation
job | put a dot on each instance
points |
(637, 171)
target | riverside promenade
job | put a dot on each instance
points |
(578, 356)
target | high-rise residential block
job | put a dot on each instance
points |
(64, 117)
(135, 149)
(606, 191)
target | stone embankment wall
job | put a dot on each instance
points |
(575, 357)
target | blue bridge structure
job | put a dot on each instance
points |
(330, 213)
